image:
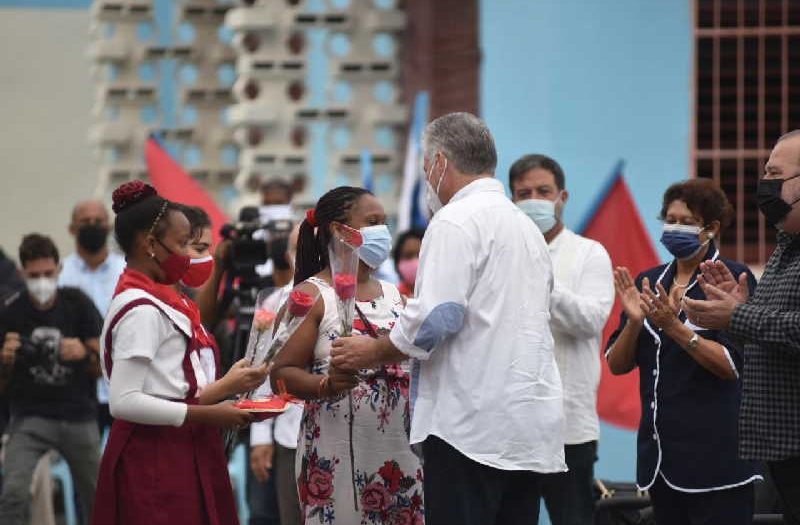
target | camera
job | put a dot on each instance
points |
(254, 244)
(259, 242)
(44, 344)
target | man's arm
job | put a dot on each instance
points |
(584, 312)
(446, 276)
(766, 326)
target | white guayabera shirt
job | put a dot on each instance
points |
(486, 381)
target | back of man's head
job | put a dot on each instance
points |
(465, 140)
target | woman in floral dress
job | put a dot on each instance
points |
(354, 462)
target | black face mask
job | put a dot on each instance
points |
(774, 208)
(92, 237)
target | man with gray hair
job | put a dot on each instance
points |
(486, 395)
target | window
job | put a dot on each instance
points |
(747, 93)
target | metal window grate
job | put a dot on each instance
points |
(747, 93)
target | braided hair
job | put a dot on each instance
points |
(139, 209)
(312, 248)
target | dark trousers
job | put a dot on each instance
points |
(460, 491)
(104, 419)
(717, 507)
(568, 495)
(786, 475)
(262, 499)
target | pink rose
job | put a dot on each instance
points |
(345, 286)
(375, 498)
(300, 303)
(320, 486)
(263, 319)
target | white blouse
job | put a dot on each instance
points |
(148, 348)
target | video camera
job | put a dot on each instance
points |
(254, 244)
(259, 242)
(44, 344)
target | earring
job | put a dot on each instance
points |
(711, 235)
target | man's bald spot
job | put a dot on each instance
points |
(793, 135)
(92, 206)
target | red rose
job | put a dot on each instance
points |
(392, 475)
(375, 498)
(345, 286)
(300, 303)
(320, 486)
(404, 517)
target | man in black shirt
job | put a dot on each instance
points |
(48, 367)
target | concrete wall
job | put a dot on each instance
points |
(46, 96)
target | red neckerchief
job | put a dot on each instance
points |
(405, 289)
(167, 294)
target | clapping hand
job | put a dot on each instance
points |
(628, 295)
(660, 309)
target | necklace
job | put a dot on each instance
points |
(679, 285)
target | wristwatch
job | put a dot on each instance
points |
(693, 342)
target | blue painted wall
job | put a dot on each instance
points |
(588, 83)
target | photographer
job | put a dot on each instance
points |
(48, 367)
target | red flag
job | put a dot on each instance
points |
(616, 224)
(173, 183)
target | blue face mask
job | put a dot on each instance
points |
(542, 212)
(377, 245)
(682, 241)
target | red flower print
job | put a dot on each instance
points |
(375, 498)
(359, 325)
(302, 490)
(416, 501)
(404, 517)
(391, 474)
(320, 486)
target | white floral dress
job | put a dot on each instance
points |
(354, 462)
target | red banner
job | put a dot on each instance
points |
(173, 183)
(615, 223)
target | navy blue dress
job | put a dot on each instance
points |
(689, 427)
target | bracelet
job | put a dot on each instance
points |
(322, 384)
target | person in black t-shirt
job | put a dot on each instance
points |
(48, 367)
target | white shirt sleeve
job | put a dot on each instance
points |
(127, 400)
(446, 274)
(583, 312)
(139, 333)
(261, 432)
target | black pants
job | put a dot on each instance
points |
(460, 491)
(717, 507)
(568, 495)
(104, 419)
(786, 475)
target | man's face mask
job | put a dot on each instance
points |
(42, 289)
(431, 194)
(770, 202)
(92, 237)
(542, 212)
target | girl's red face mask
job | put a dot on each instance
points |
(199, 272)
